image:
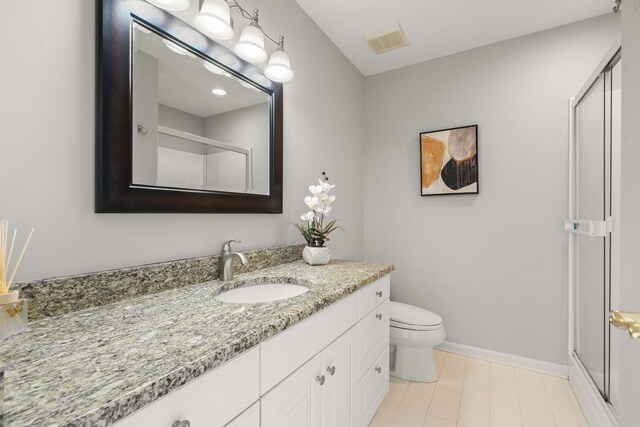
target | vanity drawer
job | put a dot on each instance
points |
(373, 336)
(372, 388)
(212, 400)
(373, 295)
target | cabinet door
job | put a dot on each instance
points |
(338, 391)
(372, 388)
(296, 401)
(249, 418)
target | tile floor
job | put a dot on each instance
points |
(477, 393)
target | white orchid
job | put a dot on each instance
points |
(315, 231)
(308, 216)
(312, 202)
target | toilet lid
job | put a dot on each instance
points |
(409, 316)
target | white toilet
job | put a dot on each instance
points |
(414, 333)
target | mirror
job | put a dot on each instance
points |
(184, 124)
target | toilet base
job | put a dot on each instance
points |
(406, 367)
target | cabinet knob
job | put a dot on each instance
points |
(379, 316)
(331, 370)
(379, 369)
(320, 379)
(379, 293)
(179, 423)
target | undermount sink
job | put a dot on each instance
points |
(262, 293)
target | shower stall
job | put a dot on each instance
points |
(594, 209)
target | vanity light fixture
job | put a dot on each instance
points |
(174, 47)
(279, 68)
(219, 92)
(215, 69)
(172, 5)
(250, 47)
(214, 19)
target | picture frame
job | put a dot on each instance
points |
(449, 161)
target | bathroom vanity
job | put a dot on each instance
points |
(181, 357)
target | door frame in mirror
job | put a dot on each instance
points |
(115, 192)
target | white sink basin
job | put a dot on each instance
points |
(262, 293)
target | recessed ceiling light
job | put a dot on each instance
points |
(219, 92)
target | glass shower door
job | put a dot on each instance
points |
(590, 250)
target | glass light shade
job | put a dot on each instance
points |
(174, 47)
(279, 68)
(250, 47)
(214, 19)
(215, 69)
(173, 5)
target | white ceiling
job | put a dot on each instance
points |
(438, 28)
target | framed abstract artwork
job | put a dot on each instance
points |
(449, 161)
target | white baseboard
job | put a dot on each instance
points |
(511, 359)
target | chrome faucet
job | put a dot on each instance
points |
(226, 260)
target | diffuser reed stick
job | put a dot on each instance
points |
(5, 258)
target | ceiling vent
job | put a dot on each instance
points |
(386, 38)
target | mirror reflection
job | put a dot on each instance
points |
(195, 126)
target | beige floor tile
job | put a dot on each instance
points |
(416, 401)
(570, 416)
(477, 404)
(506, 412)
(495, 422)
(451, 372)
(468, 418)
(478, 378)
(444, 410)
(534, 406)
(395, 394)
(450, 383)
(502, 397)
(399, 381)
(387, 408)
(477, 391)
(537, 420)
(500, 368)
(504, 376)
(379, 421)
(432, 421)
(532, 392)
(426, 389)
(508, 386)
(442, 394)
(409, 417)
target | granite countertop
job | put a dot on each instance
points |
(94, 367)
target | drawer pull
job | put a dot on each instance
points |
(184, 423)
(379, 316)
(379, 293)
(331, 370)
(320, 379)
(379, 369)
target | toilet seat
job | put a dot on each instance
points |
(405, 316)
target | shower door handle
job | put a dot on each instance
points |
(626, 320)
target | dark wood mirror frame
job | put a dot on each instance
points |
(114, 190)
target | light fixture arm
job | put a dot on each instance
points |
(616, 6)
(253, 17)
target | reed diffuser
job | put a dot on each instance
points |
(8, 296)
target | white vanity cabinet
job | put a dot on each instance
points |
(329, 370)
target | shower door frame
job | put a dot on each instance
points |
(595, 407)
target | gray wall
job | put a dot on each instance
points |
(47, 117)
(492, 265)
(145, 113)
(248, 128)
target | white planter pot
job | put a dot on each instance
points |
(9, 298)
(316, 256)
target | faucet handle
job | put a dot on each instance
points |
(226, 246)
